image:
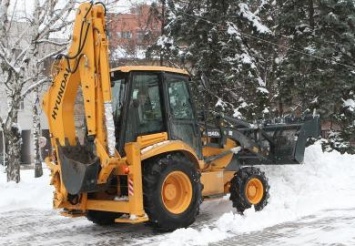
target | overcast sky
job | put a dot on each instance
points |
(25, 7)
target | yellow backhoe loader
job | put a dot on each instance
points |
(145, 156)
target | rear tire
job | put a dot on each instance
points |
(172, 192)
(249, 186)
(102, 218)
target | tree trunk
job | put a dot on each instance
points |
(36, 135)
(13, 145)
(311, 14)
(162, 30)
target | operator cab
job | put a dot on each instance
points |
(150, 99)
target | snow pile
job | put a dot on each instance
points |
(325, 181)
(29, 193)
(123, 53)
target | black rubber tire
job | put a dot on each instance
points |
(237, 189)
(154, 173)
(102, 218)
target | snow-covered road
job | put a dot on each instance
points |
(310, 204)
(328, 227)
(45, 227)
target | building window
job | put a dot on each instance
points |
(126, 35)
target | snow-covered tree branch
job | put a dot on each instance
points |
(25, 46)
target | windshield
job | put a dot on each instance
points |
(179, 97)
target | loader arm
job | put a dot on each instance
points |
(86, 66)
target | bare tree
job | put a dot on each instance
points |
(36, 134)
(24, 49)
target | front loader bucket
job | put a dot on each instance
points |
(278, 143)
(290, 142)
(79, 170)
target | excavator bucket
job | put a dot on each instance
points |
(79, 169)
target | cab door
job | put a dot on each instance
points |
(182, 122)
(144, 113)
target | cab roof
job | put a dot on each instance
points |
(127, 69)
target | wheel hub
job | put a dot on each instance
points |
(176, 192)
(254, 190)
(170, 192)
(251, 191)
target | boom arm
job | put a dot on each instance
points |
(86, 65)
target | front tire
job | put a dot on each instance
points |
(172, 192)
(249, 186)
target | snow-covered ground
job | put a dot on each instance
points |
(325, 183)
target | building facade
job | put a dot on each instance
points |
(130, 34)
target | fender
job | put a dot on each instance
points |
(169, 146)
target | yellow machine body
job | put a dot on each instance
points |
(96, 175)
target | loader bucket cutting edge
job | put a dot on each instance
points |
(79, 171)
